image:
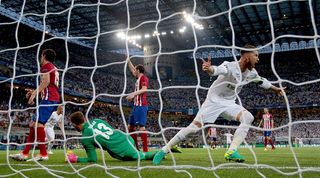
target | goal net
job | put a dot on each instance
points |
(95, 40)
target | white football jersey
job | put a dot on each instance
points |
(54, 119)
(224, 87)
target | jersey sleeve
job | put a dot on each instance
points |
(261, 81)
(222, 69)
(91, 154)
(46, 68)
(89, 147)
(144, 81)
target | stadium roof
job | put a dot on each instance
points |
(250, 20)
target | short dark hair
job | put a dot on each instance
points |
(77, 118)
(247, 46)
(140, 68)
(50, 54)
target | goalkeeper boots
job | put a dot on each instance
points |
(158, 157)
(19, 157)
(233, 155)
(176, 149)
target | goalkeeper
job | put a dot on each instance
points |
(99, 132)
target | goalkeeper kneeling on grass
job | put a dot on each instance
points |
(98, 132)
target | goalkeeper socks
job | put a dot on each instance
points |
(30, 140)
(41, 138)
(180, 136)
(144, 138)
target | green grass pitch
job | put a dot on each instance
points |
(196, 161)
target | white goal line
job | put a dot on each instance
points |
(177, 167)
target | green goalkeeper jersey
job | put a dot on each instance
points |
(111, 140)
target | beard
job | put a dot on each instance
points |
(252, 66)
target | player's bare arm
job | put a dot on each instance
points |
(61, 126)
(206, 66)
(132, 68)
(277, 90)
(260, 123)
(45, 81)
(139, 92)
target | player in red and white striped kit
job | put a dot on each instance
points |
(268, 123)
(138, 117)
(50, 97)
(212, 135)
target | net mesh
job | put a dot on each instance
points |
(20, 18)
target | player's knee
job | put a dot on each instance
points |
(142, 128)
(194, 128)
(31, 124)
(50, 138)
(246, 117)
(197, 123)
(131, 128)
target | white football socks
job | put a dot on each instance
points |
(241, 133)
(180, 136)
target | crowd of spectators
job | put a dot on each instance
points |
(81, 78)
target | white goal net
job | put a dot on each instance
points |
(94, 41)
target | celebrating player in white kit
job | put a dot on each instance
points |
(55, 118)
(221, 100)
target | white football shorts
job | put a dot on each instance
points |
(210, 111)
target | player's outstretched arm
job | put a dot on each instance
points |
(91, 155)
(266, 84)
(277, 90)
(131, 67)
(214, 70)
(206, 66)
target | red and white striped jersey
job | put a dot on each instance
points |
(51, 93)
(267, 121)
(212, 132)
(141, 100)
